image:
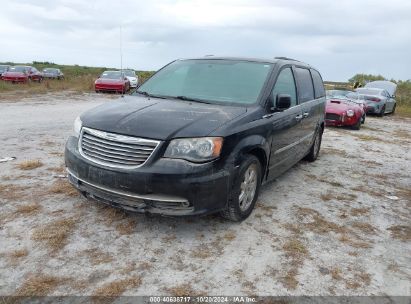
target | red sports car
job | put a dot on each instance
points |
(344, 112)
(112, 81)
(21, 73)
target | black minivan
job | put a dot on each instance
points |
(200, 136)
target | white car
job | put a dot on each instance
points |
(132, 77)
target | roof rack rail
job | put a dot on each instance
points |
(209, 55)
(286, 58)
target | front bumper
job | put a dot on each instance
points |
(15, 79)
(373, 108)
(109, 88)
(163, 186)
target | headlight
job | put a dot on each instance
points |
(77, 126)
(350, 113)
(195, 149)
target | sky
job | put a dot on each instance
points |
(339, 38)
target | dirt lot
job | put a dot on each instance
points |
(339, 226)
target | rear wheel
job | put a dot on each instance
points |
(315, 148)
(244, 191)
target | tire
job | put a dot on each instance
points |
(393, 109)
(315, 148)
(249, 177)
(363, 118)
(381, 114)
(357, 125)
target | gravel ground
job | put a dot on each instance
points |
(339, 226)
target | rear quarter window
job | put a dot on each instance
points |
(305, 85)
(318, 84)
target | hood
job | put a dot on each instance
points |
(14, 74)
(160, 119)
(382, 84)
(337, 106)
(109, 81)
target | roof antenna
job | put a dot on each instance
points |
(121, 60)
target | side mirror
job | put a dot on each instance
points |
(283, 102)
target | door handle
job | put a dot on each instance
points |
(306, 114)
(298, 117)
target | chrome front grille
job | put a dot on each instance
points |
(331, 116)
(115, 150)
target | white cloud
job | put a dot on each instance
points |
(340, 38)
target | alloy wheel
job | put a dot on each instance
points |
(248, 188)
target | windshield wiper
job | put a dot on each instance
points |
(150, 95)
(186, 98)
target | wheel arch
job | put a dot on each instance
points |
(255, 145)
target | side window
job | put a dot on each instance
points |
(306, 89)
(318, 84)
(285, 84)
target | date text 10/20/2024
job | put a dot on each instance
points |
(203, 299)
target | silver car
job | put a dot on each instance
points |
(379, 97)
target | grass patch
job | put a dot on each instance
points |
(118, 287)
(365, 228)
(39, 285)
(55, 234)
(319, 224)
(28, 210)
(127, 227)
(359, 211)
(289, 279)
(400, 232)
(229, 236)
(336, 274)
(403, 110)
(15, 256)
(98, 257)
(11, 192)
(183, 290)
(63, 187)
(295, 248)
(29, 164)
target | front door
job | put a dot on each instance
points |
(286, 126)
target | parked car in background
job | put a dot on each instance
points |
(16, 74)
(342, 111)
(379, 97)
(337, 93)
(358, 99)
(132, 77)
(3, 69)
(112, 81)
(52, 73)
(200, 136)
(19, 74)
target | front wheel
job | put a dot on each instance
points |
(381, 114)
(357, 126)
(244, 191)
(363, 119)
(315, 148)
(393, 109)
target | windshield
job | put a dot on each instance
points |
(369, 91)
(219, 81)
(111, 75)
(335, 93)
(21, 69)
(129, 73)
(3, 68)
